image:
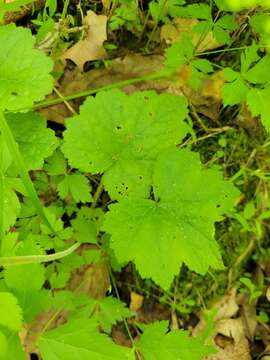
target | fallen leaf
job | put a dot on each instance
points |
(227, 307)
(173, 32)
(91, 47)
(136, 301)
(132, 66)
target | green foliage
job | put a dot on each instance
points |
(180, 222)
(119, 184)
(79, 338)
(183, 53)
(157, 344)
(24, 71)
(250, 84)
(123, 136)
(11, 313)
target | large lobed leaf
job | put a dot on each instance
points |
(178, 226)
(24, 71)
(121, 136)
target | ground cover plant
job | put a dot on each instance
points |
(134, 207)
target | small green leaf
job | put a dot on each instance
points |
(234, 92)
(108, 311)
(11, 313)
(56, 164)
(258, 103)
(77, 185)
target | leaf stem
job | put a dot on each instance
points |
(97, 194)
(34, 259)
(19, 162)
(163, 74)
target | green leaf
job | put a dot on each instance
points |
(178, 226)
(24, 71)
(25, 281)
(79, 339)
(56, 164)
(238, 85)
(35, 140)
(108, 311)
(259, 73)
(227, 22)
(234, 92)
(156, 344)
(11, 313)
(182, 53)
(77, 185)
(86, 225)
(196, 11)
(11, 205)
(121, 136)
(14, 347)
(249, 57)
(3, 346)
(179, 53)
(258, 103)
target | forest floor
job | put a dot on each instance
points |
(121, 43)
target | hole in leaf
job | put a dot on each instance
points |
(118, 127)
(218, 205)
(14, 93)
(150, 114)
(34, 356)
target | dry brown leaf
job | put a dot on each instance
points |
(206, 100)
(173, 32)
(227, 307)
(136, 301)
(90, 48)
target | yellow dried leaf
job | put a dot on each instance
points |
(136, 301)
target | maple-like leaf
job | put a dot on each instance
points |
(24, 71)
(79, 339)
(157, 344)
(108, 311)
(176, 227)
(77, 185)
(121, 136)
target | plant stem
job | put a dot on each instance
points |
(19, 162)
(97, 194)
(163, 74)
(34, 259)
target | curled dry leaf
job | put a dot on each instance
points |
(91, 47)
